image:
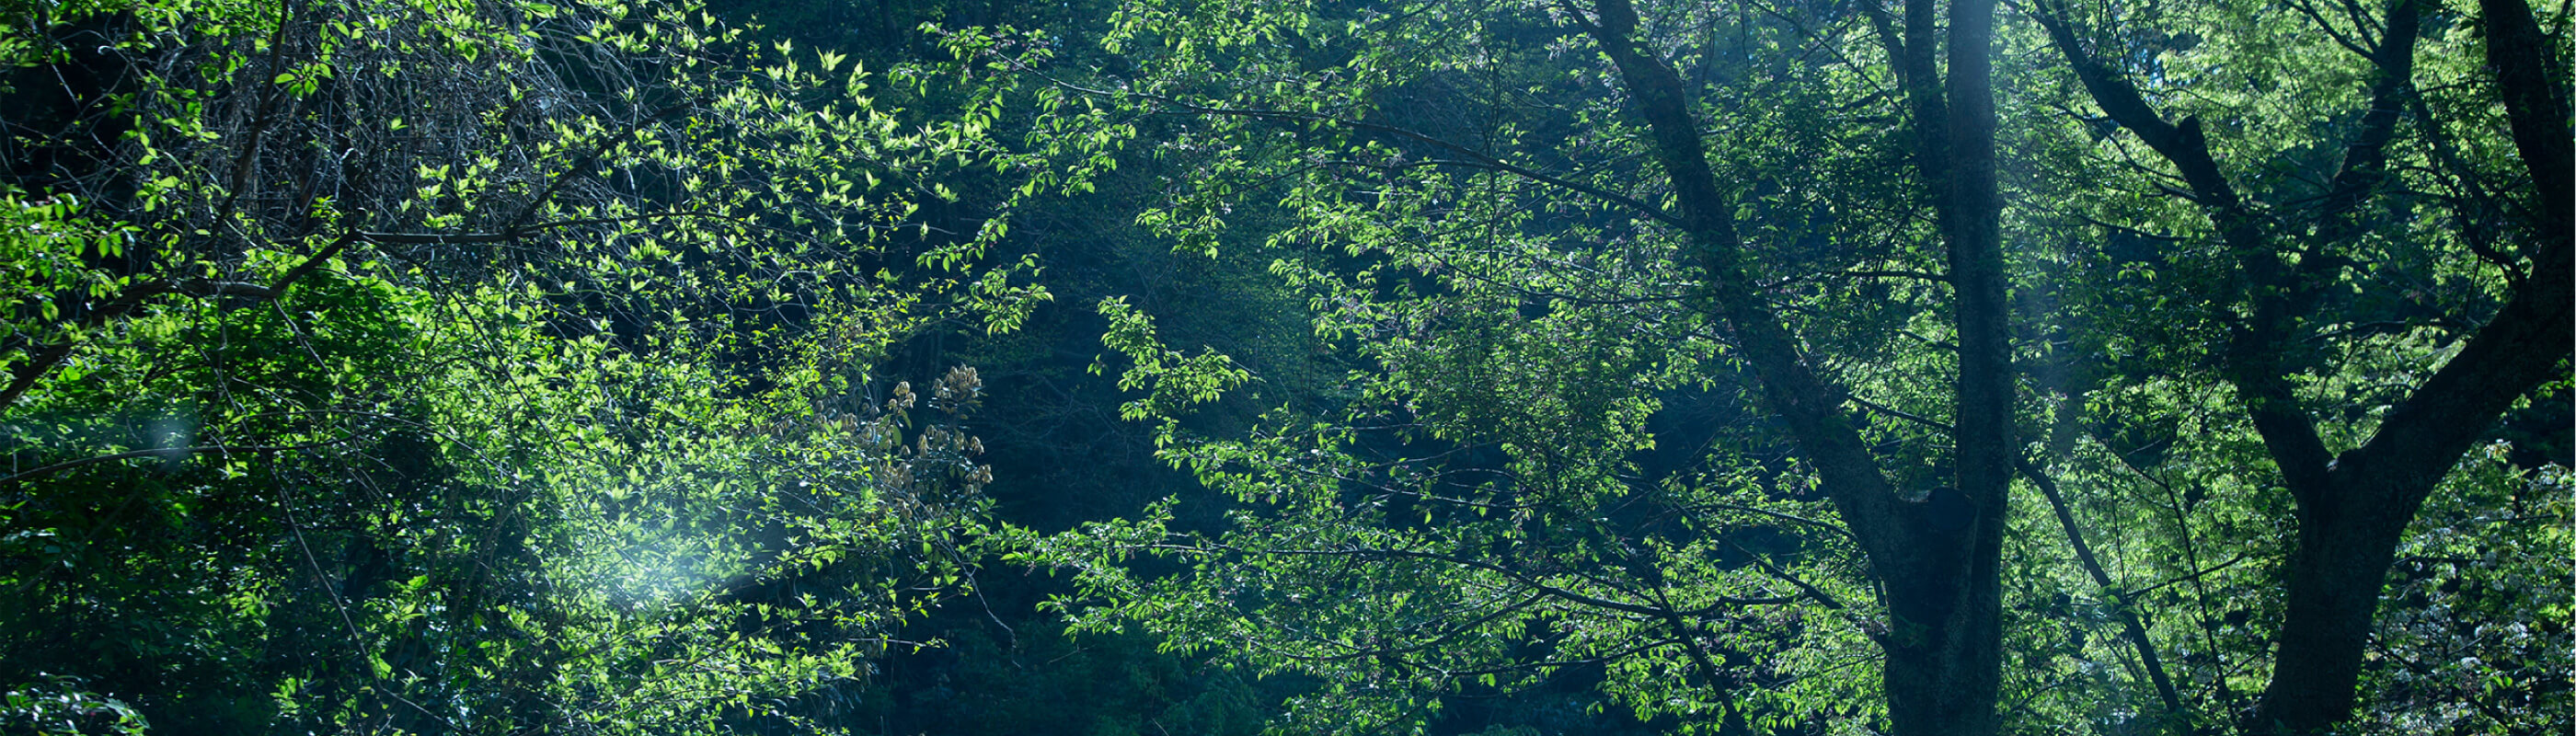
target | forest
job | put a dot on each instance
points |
(1172, 367)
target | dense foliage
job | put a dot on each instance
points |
(431, 366)
(439, 367)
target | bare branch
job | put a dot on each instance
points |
(166, 452)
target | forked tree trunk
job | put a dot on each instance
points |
(1948, 682)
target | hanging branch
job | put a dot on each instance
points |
(2130, 619)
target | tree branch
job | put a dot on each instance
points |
(46, 358)
(43, 362)
(1472, 158)
(2530, 338)
(2130, 619)
(1811, 406)
(2251, 361)
(584, 164)
(1813, 592)
(163, 452)
(1564, 594)
(2523, 58)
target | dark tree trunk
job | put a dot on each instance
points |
(2333, 593)
(2349, 533)
(1948, 681)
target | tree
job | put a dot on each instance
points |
(1805, 367)
(483, 368)
(2302, 248)
(1939, 574)
(1937, 559)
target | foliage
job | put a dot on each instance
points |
(1472, 513)
(60, 706)
(476, 367)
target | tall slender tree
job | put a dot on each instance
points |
(1941, 577)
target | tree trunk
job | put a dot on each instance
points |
(1948, 682)
(2335, 577)
(1944, 663)
(2349, 533)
